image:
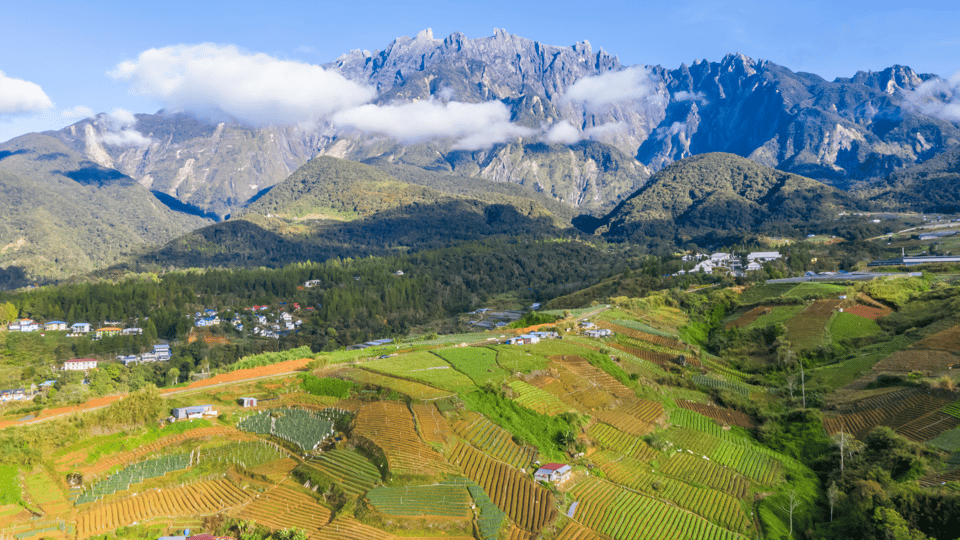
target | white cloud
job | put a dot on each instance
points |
(118, 129)
(474, 125)
(256, 88)
(631, 84)
(603, 131)
(683, 95)
(563, 133)
(937, 97)
(76, 113)
(18, 96)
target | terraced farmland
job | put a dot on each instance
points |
(348, 469)
(436, 500)
(895, 410)
(287, 506)
(806, 329)
(659, 358)
(711, 504)
(535, 399)
(413, 389)
(575, 531)
(425, 367)
(661, 341)
(927, 361)
(390, 425)
(434, 427)
(750, 461)
(197, 499)
(595, 377)
(636, 417)
(727, 416)
(478, 363)
(494, 440)
(695, 469)
(529, 506)
(612, 438)
(622, 514)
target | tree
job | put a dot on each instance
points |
(789, 505)
(832, 494)
(173, 376)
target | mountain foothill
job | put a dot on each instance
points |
(697, 156)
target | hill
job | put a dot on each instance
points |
(705, 198)
(932, 186)
(64, 215)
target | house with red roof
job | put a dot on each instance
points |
(552, 472)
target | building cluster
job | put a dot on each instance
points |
(729, 263)
(75, 329)
(531, 338)
(160, 353)
(262, 321)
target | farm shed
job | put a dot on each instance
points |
(248, 401)
(196, 411)
(552, 472)
(526, 339)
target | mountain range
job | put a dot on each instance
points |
(581, 132)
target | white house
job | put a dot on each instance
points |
(598, 333)
(80, 328)
(79, 364)
(552, 472)
(54, 326)
(526, 339)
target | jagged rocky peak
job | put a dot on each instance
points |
(891, 80)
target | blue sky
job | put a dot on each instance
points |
(68, 49)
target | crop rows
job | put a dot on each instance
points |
(287, 506)
(596, 377)
(349, 470)
(711, 504)
(624, 422)
(614, 439)
(659, 358)
(247, 454)
(436, 500)
(759, 293)
(749, 461)
(575, 531)
(935, 480)
(494, 440)
(533, 398)
(135, 474)
(727, 416)
(710, 382)
(691, 419)
(806, 329)
(668, 342)
(924, 360)
(490, 519)
(43, 490)
(893, 410)
(868, 312)
(948, 340)
(346, 527)
(433, 425)
(928, 426)
(949, 441)
(390, 425)
(306, 429)
(851, 326)
(196, 499)
(622, 514)
(530, 506)
(953, 409)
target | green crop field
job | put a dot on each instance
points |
(815, 290)
(478, 363)
(949, 441)
(437, 500)
(425, 367)
(850, 326)
(348, 469)
(9, 484)
(413, 389)
(761, 293)
(519, 359)
(531, 397)
(750, 461)
(777, 314)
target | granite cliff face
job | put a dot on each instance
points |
(856, 128)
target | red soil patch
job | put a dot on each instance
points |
(868, 312)
(279, 368)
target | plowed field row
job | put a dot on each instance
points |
(659, 358)
(948, 340)
(286, 506)
(433, 426)
(202, 498)
(928, 426)
(494, 440)
(710, 504)
(529, 506)
(935, 480)
(624, 422)
(695, 469)
(390, 425)
(727, 416)
(575, 531)
(898, 413)
(927, 361)
(349, 470)
(670, 343)
(595, 376)
(625, 515)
